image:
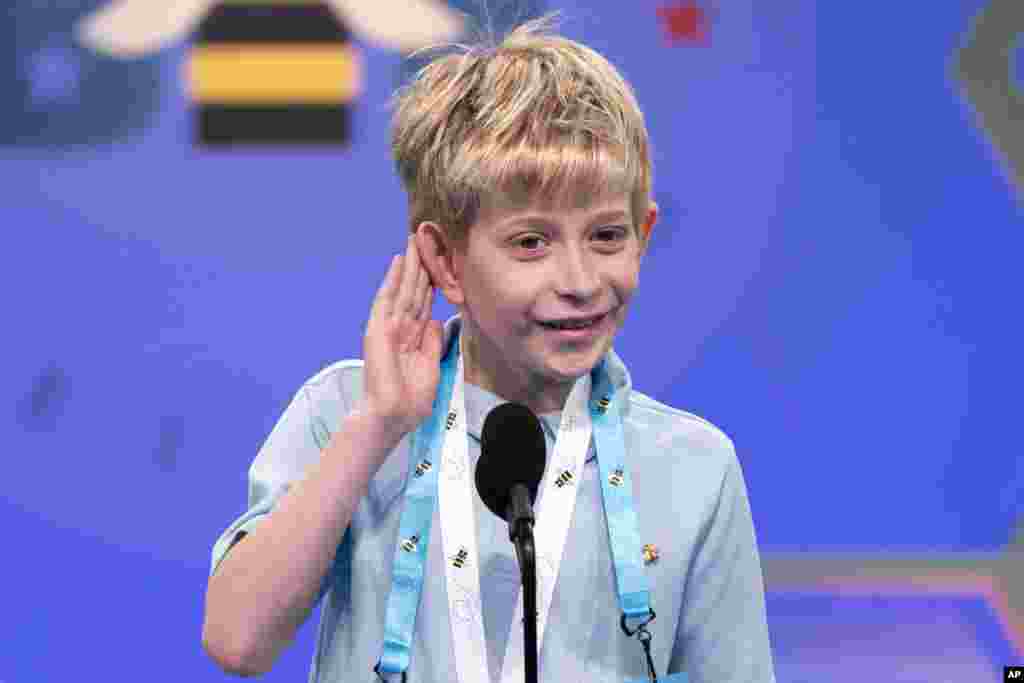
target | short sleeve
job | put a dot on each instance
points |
(292, 446)
(722, 635)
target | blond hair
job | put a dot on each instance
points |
(534, 117)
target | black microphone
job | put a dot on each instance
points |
(511, 464)
(508, 474)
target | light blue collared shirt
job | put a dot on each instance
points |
(707, 587)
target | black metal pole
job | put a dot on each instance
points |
(525, 552)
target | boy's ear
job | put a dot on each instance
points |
(437, 253)
(648, 224)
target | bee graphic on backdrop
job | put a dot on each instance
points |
(269, 71)
(137, 28)
(409, 544)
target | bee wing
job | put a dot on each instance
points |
(138, 28)
(403, 25)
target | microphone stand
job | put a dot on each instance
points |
(520, 532)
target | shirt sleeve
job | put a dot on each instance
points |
(722, 636)
(292, 446)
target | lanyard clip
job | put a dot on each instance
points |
(644, 636)
(625, 629)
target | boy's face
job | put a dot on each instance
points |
(523, 266)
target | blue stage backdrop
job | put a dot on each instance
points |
(833, 281)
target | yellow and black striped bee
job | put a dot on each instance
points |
(616, 477)
(139, 28)
(564, 478)
(409, 544)
(461, 558)
(603, 404)
(450, 421)
(270, 71)
(423, 467)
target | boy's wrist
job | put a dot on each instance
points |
(380, 432)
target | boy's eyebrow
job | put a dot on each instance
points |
(540, 219)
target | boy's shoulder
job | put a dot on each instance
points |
(338, 385)
(338, 373)
(671, 427)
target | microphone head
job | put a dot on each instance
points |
(512, 451)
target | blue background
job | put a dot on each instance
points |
(837, 252)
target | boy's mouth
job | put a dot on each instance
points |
(569, 324)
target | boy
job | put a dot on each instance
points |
(537, 141)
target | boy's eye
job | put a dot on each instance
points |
(605, 234)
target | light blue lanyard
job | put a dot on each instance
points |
(421, 495)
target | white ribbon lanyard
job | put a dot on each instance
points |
(452, 481)
(458, 530)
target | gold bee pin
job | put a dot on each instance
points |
(650, 553)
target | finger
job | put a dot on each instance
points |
(406, 292)
(422, 309)
(384, 301)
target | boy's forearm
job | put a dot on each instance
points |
(265, 587)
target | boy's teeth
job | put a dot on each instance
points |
(574, 326)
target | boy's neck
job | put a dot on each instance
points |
(541, 400)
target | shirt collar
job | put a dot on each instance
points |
(480, 402)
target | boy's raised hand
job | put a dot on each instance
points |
(402, 346)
